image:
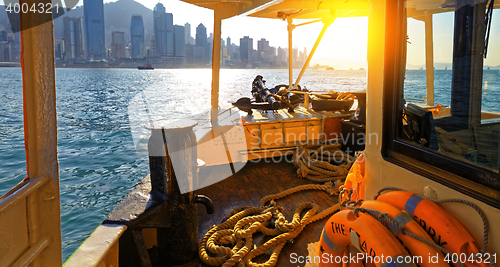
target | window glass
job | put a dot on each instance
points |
(451, 89)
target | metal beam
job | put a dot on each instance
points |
(218, 12)
(290, 54)
(326, 24)
(429, 60)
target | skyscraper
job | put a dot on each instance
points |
(201, 43)
(73, 39)
(159, 24)
(93, 15)
(164, 31)
(170, 34)
(137, 37)
(246, 50)
(187, 34)
(179, 45)
(201, 35)
(118, 44)
(152, 50)
(263, 50)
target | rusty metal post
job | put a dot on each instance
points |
(170, 145)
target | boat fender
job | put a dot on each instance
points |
(444, 229)
(414, 246)
(377, 244)
(355, 180)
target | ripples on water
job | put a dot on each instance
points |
(97, 159)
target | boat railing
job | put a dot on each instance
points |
(21, 203)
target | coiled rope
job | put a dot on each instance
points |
(239, 226)
(315, 164)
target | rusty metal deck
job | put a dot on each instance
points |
(248, 186)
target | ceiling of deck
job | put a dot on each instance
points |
(281, 9)
(315, 9)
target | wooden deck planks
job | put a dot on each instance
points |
(249, 185)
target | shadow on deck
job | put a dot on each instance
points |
(248, 186)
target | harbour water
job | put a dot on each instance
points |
(97, 158)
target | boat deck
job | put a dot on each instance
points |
(248, 186)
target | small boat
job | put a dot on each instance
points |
(146, 66)
(330, 68)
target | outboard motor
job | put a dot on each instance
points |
(262, 94)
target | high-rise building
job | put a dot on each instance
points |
(246, 50)
(272, 55)
(263, 50)
(73, 33)
(228, 41)
(210, 38)
(152, 51)
(201, 43)
(295, 55)
(199, 55)
(179, 41)
(170, 34)
(160, 29)
(137, 37)
(118, 44)
(262, 45)
(3, 36)
(164, 31)
(58, 47)
(201, 35)
(93, 14)
(5, 51)
(282, 56)
(187, 34)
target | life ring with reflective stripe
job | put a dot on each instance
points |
(444, 229)
(413, 246)
(377, 244)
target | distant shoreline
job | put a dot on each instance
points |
(99, 66)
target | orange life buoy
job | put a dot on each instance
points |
(377, 244)
(444, 229)
(430, 256)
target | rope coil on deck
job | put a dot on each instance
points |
(239, 226)
(315, 163)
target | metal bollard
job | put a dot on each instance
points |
(170, 145)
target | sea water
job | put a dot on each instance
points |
(98, 162)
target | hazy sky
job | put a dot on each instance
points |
(443, 40)
(346, 38)
(352, 32)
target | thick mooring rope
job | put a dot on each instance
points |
(242, 223)
(314, 163)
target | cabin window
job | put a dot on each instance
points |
(443, 83)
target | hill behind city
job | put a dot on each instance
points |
(4, 20)
(117, 16)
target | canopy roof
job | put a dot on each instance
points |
(316, 9)
(281, 9)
